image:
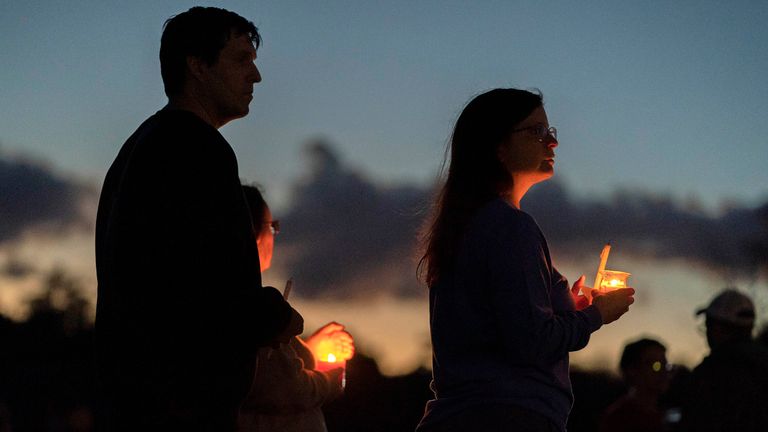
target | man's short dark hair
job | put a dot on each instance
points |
(199, 32)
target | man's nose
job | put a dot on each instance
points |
(255, 74)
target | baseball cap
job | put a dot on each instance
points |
(732, 307)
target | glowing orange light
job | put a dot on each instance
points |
(332, 350)
(613, 279)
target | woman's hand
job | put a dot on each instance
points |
(580, 300)
(613, 304)
(332, 338)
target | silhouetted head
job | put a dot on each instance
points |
(644, 366)
(502, 136)
(208, 53)
(264, 228)
(730, 317)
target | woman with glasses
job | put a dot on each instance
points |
(288, 392)
(502, 319)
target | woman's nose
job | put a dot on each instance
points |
(552, 141)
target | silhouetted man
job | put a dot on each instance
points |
(181, 311)
(729, 389)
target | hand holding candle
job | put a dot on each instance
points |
(614, 304)
(332, 346)
(608, 280)
(611, 295)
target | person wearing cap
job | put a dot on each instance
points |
(729, 389)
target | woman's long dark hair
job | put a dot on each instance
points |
(475, 174)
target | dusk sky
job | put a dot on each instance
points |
(666, 98)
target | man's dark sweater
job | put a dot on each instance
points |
(503, 321)
(181, 311)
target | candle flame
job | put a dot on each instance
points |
(331, 358)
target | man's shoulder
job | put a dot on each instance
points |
(745, 357)
(175, 134)
(176, 123)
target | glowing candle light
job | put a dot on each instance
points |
(332, 346)
(331, 351)
(608, 280)
(613, 279)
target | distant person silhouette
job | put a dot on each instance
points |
(288, 392)
(181, 312)
(645, 370)
(502, 318)
(729, 388)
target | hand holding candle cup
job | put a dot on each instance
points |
(607, 280)
(613, 304)
(332, 346)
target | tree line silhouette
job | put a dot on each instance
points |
(47, 376)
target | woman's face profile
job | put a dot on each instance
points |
(526, 155)
(265, 242)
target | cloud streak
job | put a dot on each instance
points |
(345, 235)
(648, 225)
(33, 195)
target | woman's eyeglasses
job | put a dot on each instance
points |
(274, 226)
(540, 131)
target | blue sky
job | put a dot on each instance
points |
(658, 95)
(664, 97)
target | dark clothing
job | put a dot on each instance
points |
(494, 418)
(287, 394)
(729, 391)
(181, 311)
(628, 415)
(502, 321)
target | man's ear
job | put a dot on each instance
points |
(196, 67)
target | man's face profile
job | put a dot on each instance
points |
(228, 83)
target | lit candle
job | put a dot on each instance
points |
(332, 347)
(330, 361)
(613, 279)
(331, 351)
(599, 276)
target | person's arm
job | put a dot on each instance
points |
(285, 384)
(521, 285)
(217, 257)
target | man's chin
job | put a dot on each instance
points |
(234, 115)
(242, 112)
